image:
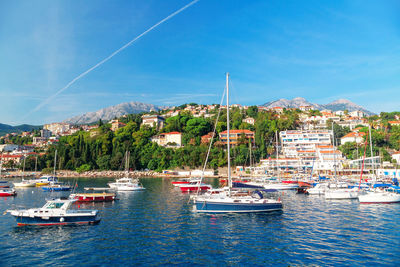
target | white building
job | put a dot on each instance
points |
(357, 113)
(357, 137)
(172, 139)
(153, 121)
(396, 156)
(249, 120)
(57, 128)
(339, 113)
(301, 140)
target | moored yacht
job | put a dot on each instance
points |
(227, 200)
(55, 212)
(380, 196)
(126, 184)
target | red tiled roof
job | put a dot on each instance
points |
(354, 134)
(171, 133)
(238, 131)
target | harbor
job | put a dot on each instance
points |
(310, 231)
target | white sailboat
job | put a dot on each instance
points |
(339, 190)
(234, 201)
(24, 183)
(126, 183)
(378, 195)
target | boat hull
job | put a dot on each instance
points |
(94, 198)
(56, 220)
(186, 189)
(379, 198)
(22, 185)
(341, 194)
(2, 194)
(223, 207)
(56, 188)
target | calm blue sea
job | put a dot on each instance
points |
(157, 227)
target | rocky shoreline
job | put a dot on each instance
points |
(97, 174)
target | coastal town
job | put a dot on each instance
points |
(307, 146)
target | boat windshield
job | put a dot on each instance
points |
(55, 205)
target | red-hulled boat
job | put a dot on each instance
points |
(181, 181)
(6, 192)
(93, 197)
(194, 187)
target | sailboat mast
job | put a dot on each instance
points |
(1, 163)
(277, 155)
(55, 163)
(334, 149)
(372, 153)
(228, 132)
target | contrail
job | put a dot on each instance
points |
(83, 74)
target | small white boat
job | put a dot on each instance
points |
(380, 196)
(341, 193)
(25, 183)
(126, 184)
(318, 189)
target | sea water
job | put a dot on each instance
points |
(157, 227)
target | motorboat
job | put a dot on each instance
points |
(194, 186)
(55, 212)
(380, 196)
(181, 181)
(45, 180)
(7, 192)
(93, 197)
(126, 184)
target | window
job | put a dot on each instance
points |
(55, 205)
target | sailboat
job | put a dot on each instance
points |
(24, 183)
(339, 190)
(229, 201)
(378, 195)
(126, 183)
(55, 185)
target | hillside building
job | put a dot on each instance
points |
(153, 121)
(235, 136)
(172, 139)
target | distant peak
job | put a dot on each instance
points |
(342, 101)
(299, 99)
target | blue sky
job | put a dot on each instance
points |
(320, 50)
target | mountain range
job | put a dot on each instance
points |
(119, 110)
(5, 128)
(340, 104)
(112, 112)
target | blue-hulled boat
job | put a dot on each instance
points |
(55, 212)
(56, 187)
(230, 200)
